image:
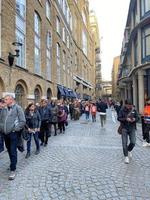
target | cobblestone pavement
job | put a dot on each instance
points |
(85, 163)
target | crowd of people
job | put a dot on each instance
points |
(43, 119)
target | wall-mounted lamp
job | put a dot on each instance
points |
(12, 56)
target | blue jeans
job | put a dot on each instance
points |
(11, 145)
(132, 137)
(36, 139)
(87, 115)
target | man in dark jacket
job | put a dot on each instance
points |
(45, 114)
(12, 120)
(101, 108)
(128, 117)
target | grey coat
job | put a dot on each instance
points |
(13, 120)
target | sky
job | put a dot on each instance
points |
(112, 17)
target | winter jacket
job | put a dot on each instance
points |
(125, 113)
(45, 114)
(12, 120)
(33, 121)
(54, 113)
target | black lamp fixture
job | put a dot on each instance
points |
(12, 56)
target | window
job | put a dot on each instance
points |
(84, 17)
(20, 95)
(64, 35)
(48, 10)
(37, 45)
(48, 55)
(135, 51)
(58, 28)
(64, 68)
(58, 63)
(21, 30)
(84, 42)
(146, 44)
(145, 7)
(37, 95)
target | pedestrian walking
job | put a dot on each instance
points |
(102, 107)
(146, 124)
(33, 122)
(54, 116)
(12, 120)
(45, 114)
(128, 118)
(62, 116)
(93, 112)
(87, 111)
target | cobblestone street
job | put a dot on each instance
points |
(85, 163)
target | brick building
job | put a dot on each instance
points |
(56, 49)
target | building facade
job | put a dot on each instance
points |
(56, 50)
(134, 72)
(96, 35)
(115, 68)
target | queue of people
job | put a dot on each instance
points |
(40, 118)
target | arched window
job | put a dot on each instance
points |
(48, 9)
(37, 95)
(20, 95)
(58, 27)
(37, 43)
(49, 93)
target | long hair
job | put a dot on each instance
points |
(27, 110)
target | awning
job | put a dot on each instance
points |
(67, 94)
(60, 90)
(72, 94)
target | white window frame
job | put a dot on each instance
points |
(58, 52)
(58, 26)
(48, 10)
(49, 55)
(21, 33)
(37, 44)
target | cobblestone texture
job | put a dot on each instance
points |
(85, 163)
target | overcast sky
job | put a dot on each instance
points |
(111, 16)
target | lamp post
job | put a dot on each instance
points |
(12, 56)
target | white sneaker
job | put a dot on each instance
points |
(12, 175)
(129, 154)
(126, 160)
(146, 144)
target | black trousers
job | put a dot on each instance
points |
(61, 126)
(44, 132)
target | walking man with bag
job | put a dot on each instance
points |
(12, 120)
(128, 118)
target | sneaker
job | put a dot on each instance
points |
(126, 160)
(145, 144)
(12, 175)
(129, 154)
(37, 152)
(27, 155)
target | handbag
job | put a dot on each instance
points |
(25, 133)
(119, 130)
